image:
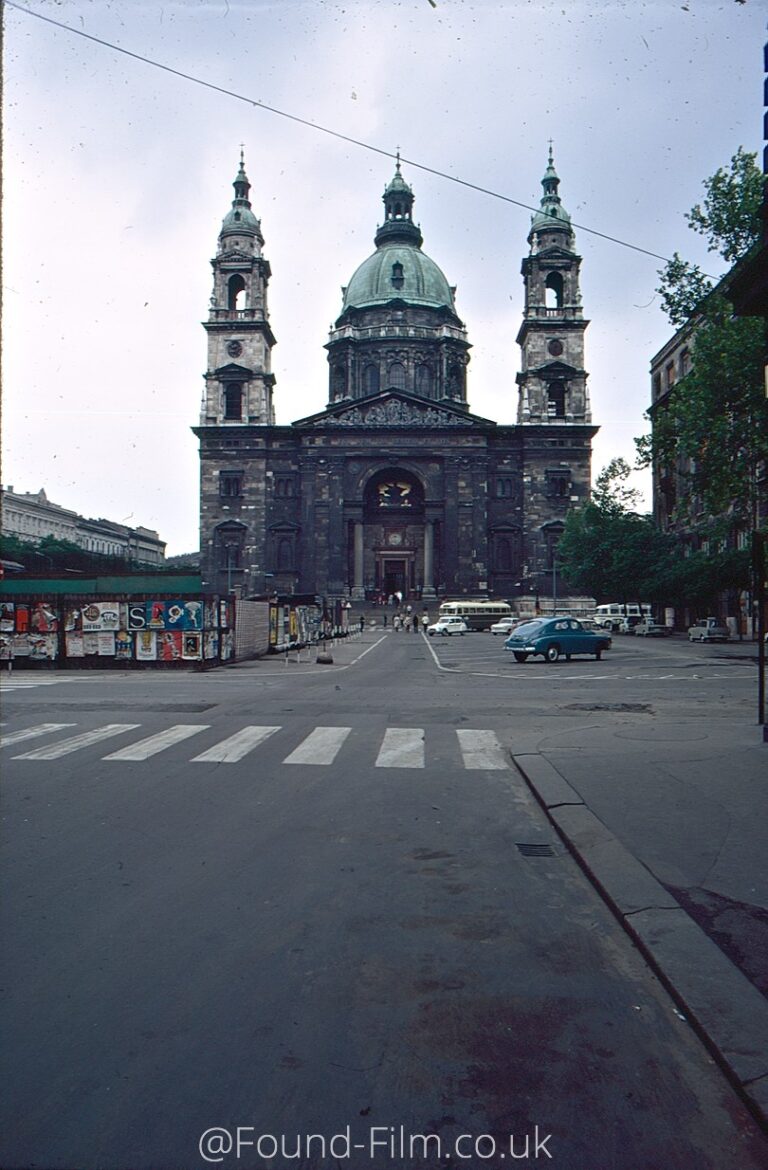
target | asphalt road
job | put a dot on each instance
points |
(305, 902)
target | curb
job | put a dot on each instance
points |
(725, 1009)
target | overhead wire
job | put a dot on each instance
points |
(324, 129)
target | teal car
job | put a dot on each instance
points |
(553, 637)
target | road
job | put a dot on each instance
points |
(305, 901)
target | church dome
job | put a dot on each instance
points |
(398, 271)
(240, 219)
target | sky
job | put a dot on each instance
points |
(117, 175)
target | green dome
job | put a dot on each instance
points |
(398, 271)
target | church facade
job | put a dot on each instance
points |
(395, 485)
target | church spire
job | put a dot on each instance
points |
(398, 226)
(551, 215)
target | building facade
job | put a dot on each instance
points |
(395, 485)
(31, 516)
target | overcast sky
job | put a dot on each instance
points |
(117, 176)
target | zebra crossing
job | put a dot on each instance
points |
(26, 682)
(396, 747)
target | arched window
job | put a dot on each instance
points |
(233, 400)
(397, 275)
(371, 379)
(424, 380)
(397, 375)
(339, 379)
(284, 554)
(556, 400)
(503, 555)
(553, 291)
(236, 292)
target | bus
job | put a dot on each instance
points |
(610, 616)
(479, 615)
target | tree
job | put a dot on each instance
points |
(609, 550)
(714, 421)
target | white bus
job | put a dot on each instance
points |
(479, 615)
(611, 616)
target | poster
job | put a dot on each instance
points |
(101, 615)
(175, 615)
(123, 644)
(106, 644)
(156, 615)
(7, 617)
(42, 647)
(194, 615)
(169, 645)
(22, 618)
(90, 643)
(20, 645)
(74, 645)
(146, 646)
(43, 618)
(136, 615)
(211, 644)
(72, 618)
(191, 645)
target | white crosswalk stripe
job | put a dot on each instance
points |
(18, 683)
(66, 746)
(32, 733)
(230, 750)
(402, 747)
(320, 747)
(481, 750)
(158, 743)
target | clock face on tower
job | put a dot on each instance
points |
(234, 348)
(555, 348)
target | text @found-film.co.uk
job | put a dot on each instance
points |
(382, 1143)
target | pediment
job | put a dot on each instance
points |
(557, 370)
(233, 370)
(393, 409)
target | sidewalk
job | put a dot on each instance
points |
(672, 827)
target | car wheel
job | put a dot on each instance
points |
(552, 653)
(520, 657)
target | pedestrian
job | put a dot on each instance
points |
(424, 621)
(396, 623)
(385, 620)
(362, 622)
(415, 623)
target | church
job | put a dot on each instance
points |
(395, 486)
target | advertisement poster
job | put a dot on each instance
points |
(90, 643)
(156, 615)
(123, 644)
(72, 618)
(7, 617)
(273, 625)
(20, 644)
(169, 645)
(74, 645)
(146, 646)
(191, 645)
(211, 615)
(211, 644)
(226, 646)
(22, 618)
(106, 644)
(101, 615)
(42, 646)
(225, 613)
(136, 616)
(175, 615)
(44, 619)
(194, 615)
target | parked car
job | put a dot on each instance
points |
(505, 626)
(709, 629)
(552, 637)
(628, 625)
(448, 626)
(648, 628)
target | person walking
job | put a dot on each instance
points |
(415, 623)
(396, 623)
(424, 621)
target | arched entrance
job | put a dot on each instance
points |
(392, 545)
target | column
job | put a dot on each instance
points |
(429, 559)
(358, 591)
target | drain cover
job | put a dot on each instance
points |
(529, 850)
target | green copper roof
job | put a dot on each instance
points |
(551, 214)
(241, 218)
(398, 271)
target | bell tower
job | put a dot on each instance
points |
(552, 382)
(239, 379)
